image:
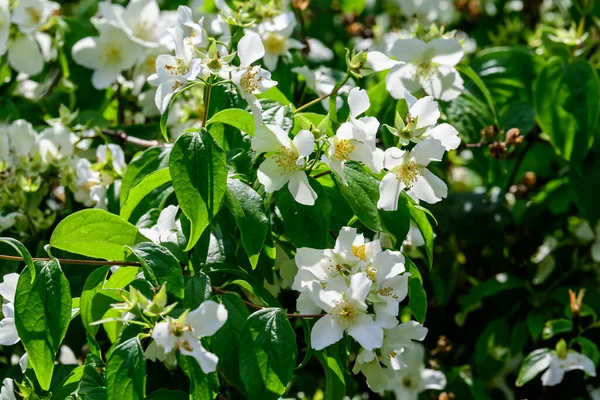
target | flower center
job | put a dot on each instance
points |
(342, 150)
(34, 14)
(286, 159)
(346, 311)
(425, 69)
(177, 85)
(372, 273)
(186, 345)
(387, 292)
(408, 173)
(180, 69)
(360, 252)
(275, 43)
(250, 79)
(143, 30)
(409, 382)
(113, 55)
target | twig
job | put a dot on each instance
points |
(206, 101)
(137, 264)
(333, 92)
(132, 139)
(322, 174)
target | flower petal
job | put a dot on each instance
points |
(301, 190)
(272, 175)
(432, 379)
(428, 150)
(409, 50)
(360, 285)
(207, 319)
(190, 346)
(366, 332)
(325, 332)
(389, 192)
(8, 287)
(429, 187)
(304, 142)
(447, 51)
(447, 135)
(250, 48)
(358, 101)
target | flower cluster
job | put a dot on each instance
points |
(360, 287)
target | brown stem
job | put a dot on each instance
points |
(76, 262)
(132, 139)
(322, 174)
(333, 92)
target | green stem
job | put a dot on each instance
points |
(333, 92)
(207, 100)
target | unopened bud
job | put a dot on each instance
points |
(300, 5)
(497, 150)
(513, 136)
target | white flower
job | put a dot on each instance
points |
(194, 35)
(408, 382)
(173, 72)
(559, 365)
(108, 54)
(275, 34)
(407, 170)
(9, 220)
(25, 55)
(391, 286)
(324, 265)
(421, 123)
(544, 259)
(113, 154)
(429, 11)
(252, 80)
(285, 161)
(87, 188)
(140, 20)
(346, 311)
(428, 66)
(7, 392)
(184, 333)
(56, 143)
(31, 15)
(23, 139)
(8, 331)
(355, 140)
(318, 52)
(4, 25)
(584, 232)
(166, 226)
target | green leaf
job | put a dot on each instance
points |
(42, 316)
(199, 171)
(93, 284)
(165, 394)
(226, 342)
(236, 117)
(95, 233)
(556, 327)
(141, 165)
(420, 217)
(306, 226)
(416, 292)
(126, 372)
(23, 252)
(267, 354)
(472, 75)
(567, 102)
(353, 6)
(535, 362)
(160, 266)
(202, 386)
(142, 189)
(247, 208)
(197, 290)
(275, 113)
(335, 383)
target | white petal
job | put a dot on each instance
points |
(207, 319)
(584, 232)
(85, 52)
(23, 361)
(163, 336)
(401, 78)
(304, 142)
(8, 332)
(358, 101)
(447, 135)
(8, 287)
(190, 346)
(301, 190)
(344, 243)
(166, 219)
(326, 299)
(269, 138)
(426, 151)
(580, 361)
(25, 56)
(366, 332)
(378, 61)
(444, 84)
(409, 50)
(7, 392)
(360, 285)
(103, 78)
(393, 157)
(427, 112)
(305, 305)
(272, 175)
(410, 99)
(325, 332)
(447, 51)
(554, 374)
(429, 187)
(432, 379)
(250, 48)
(389, 192)
(270, 61)
(314, 260)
